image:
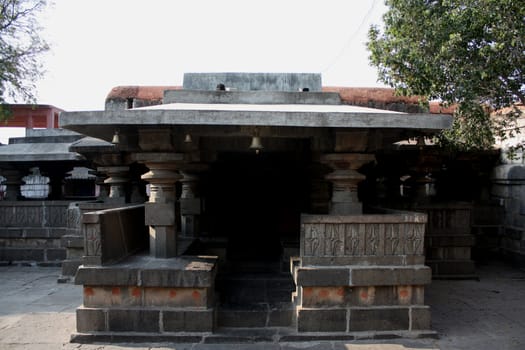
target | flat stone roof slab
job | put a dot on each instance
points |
(34, 152)
(278, 115)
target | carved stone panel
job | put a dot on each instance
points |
(346, 239)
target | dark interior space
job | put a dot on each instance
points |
(255, 200)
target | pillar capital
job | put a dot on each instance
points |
(345, 178)
(117, 179)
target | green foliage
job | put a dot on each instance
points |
(465, 52)
(20, 48)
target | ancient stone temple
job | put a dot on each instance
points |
(254, 215)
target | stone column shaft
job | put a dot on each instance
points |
(13, 182)
(160, 210)
(190, 205)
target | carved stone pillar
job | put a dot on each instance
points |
(345, 179)
(190, 201)
(160, 210)
(13, 182)
(117, 180)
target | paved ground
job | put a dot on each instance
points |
(37, 313)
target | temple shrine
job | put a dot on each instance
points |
(254, 214)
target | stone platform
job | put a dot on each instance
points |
(151, 295)
(362, 273)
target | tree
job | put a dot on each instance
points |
(20, 49)
(465, 52)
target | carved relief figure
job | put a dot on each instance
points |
(352, 240)
(334, 241)
(93, 244)
(311, 244)
(392, 238)
(372, 240)
(413, 240)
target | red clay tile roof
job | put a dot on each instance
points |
(149, 93)
(360, 95)
(349, 95)
(436, 108)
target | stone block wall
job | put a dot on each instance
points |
(362, 273)
(31, 231)
(508, 190)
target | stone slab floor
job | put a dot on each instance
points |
(38, 313)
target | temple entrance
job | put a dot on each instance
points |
(254, 203)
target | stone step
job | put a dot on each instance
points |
(255, 289)
(256, 315)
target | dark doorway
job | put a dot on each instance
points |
(255, 201)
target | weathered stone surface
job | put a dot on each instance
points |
(419, 318)
(188, 321)
(319, 297)
(379, 319)
(311, 276)
(159, 214)
(326, 320)
(390, 276)
(146, 271)
(91, 320)
(112, 296)
(72, 241)
(55, 254)
(280, 317)
(11, 232)
(134, 320)
(251, 97)
(253, 81)
(255, 316)
(21, 254)
(179, 278)
(176, 297)
(106, 276)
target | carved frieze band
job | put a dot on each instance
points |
(362, 239)
(33, 216)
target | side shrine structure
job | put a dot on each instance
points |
(254, 215)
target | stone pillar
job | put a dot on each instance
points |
(13, 184)
(117, 180)
(190, 201)
(345, 179)
(160, 210)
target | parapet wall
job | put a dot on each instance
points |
(113, 234)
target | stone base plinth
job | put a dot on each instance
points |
(362, 273)
(362, 298)
(146, 294)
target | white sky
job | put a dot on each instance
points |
(99, 44)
